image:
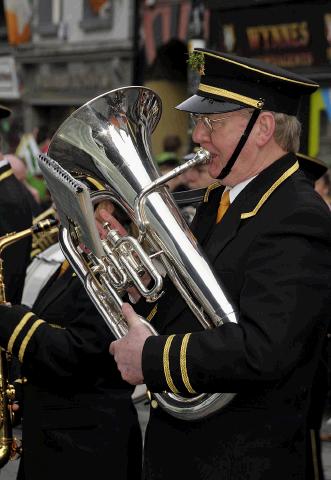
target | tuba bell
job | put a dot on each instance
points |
(108, 139)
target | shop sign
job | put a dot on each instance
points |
(290, 35)
(78, 78)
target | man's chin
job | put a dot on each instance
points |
(214, 173)
(214, 169)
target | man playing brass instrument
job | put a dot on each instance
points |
(268, 235)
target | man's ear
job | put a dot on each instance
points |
(265, 128)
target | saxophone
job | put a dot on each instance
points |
(9, 447)
(45, 238)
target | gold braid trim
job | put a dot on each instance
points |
(273, 187)
(18, 329)
(166, 367)
(183, 367)
(209, 189)
(27, 338)
(252, 102)
(6, 174)
(151, 314)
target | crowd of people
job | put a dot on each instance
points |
(264, 224)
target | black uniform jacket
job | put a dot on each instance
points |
(78, 418)
(15, 215)
(272, 254)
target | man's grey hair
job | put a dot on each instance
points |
(287, 132)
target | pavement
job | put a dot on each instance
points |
(326, 459)
(9, 471)
(326, 448)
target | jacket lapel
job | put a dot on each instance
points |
(249, 203)
(221, 234)
(205, 218)
(214, 237)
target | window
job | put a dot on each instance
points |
(49, 13)
(97, 14)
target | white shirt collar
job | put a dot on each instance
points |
(234, 191)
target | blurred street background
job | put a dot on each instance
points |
(55, 55)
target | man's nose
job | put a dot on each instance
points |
(200, 133)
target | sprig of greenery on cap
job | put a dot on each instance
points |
(196, 61)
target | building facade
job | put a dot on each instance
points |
(77, 49)
(169, 30)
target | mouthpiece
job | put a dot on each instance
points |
(44, 225)
(202, 156)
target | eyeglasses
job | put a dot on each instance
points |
(210, 123)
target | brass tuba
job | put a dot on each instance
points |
(108, 139)
(9, 447)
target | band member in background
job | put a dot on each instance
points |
(20, 171)
(78, 416)
(268, 235)
(322, 186)
(15, 215)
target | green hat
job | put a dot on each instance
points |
(230, 83)
(167, 157)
